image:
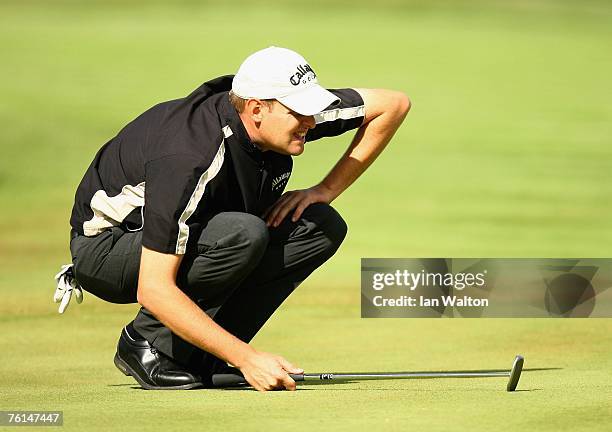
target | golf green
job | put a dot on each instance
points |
(505, 153)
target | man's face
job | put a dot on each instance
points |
(283, 130)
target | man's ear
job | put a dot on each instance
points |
(253, 109)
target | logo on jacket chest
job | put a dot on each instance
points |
(280, 181)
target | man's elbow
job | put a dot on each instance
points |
(143, 296)
(402, 104)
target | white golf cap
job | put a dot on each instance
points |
(284, 75)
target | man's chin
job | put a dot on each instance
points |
(296, 149)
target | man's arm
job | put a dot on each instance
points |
(158, 292)
(385, 111)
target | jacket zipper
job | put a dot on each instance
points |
(263, 174)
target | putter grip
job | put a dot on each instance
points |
(229, 380)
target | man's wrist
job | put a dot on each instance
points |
(241, 355)
(327, 192)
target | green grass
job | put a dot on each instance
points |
(506, 153)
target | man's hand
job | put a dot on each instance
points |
(266, 371)
(296, 201)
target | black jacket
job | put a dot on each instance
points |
(196, 160)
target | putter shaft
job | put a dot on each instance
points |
(225, 380)
(393, 375)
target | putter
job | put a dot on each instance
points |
(236, 379)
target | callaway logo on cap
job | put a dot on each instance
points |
(284, 75)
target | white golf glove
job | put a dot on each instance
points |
(66, 286)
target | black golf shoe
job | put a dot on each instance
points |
(152, 369)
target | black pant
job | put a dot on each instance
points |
(239, 275)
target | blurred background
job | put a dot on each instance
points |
(505, 153)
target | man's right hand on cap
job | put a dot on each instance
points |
(265, 371)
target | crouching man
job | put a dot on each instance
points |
(184, 212)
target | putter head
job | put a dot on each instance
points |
(515, 373)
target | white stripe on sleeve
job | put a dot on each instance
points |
(340, 113)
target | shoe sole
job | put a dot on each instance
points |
(128, 371)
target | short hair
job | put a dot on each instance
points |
(239, 103)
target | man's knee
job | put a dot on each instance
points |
(329, 221)
(242, 234)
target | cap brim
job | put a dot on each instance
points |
(310, 101)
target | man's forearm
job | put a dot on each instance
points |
(158, 292)
(185, 319)
(181, 315)
(387, 110)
